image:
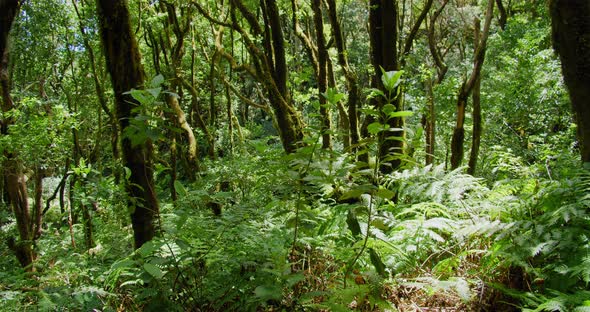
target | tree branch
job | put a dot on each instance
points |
(410, 39)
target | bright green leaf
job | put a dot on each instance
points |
(157, 81)
(153, 270)
(179, 188)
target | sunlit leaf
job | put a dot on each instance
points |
(153, 270)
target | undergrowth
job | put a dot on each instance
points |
(421, 237)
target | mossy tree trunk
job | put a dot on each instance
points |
(288, 119)
(267, 63)
(322, 73)
(11, 167)
(124, 65)
(441, 71)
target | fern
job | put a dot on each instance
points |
(554, 247)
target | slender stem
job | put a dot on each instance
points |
(366, 240)
(302, 174)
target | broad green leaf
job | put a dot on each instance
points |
(157, 81)
(268, 292)
(179, 188)
(153, 270)
(147, 249)
(376, 127)
(155, 92)
(388, 109)
(140, 96)
(332, 95)
(370, 111)
(357, 191)
(400, 114)
(125, 263)
(375, 93)
(295, 278)
(385, 193)
(391, 79)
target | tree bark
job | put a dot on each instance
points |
(12, 168)
(289, 122)
(124, 64)
(571, 40)
(351, 80)
(477, 127)
(322, 73)
(193, 151)
(441, 70)
(268, 64)
(198, 117)
(430, 123)
(458, 138)
(383, 16)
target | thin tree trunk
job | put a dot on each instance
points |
(102, 100)
(199, 118)
(430, 128)
(477, 127)
(38, 207)
(351, 80)
(173, 168)
(458, 138)
(230, 126)
(193, 152)
(268, 65)
(289, 123)
(87, 224)
(322, 73)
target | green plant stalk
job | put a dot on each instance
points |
(369, 220)
(366, 240)
(300, 190)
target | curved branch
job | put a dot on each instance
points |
(436, 55)
(410, 39)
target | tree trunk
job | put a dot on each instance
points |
(322, 73)
(571, 40)
(430, 127)
(457, 149)
(289, 122)
(198, 117)
(441, 70)
(38, 208)
(351, 81)
(477, 127)
(124, 64)
(383, 16)
(13, 174)
(193, 152)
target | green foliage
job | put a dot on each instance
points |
(552, 246)
(317, 229)
(145, 125)
(28, 143)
